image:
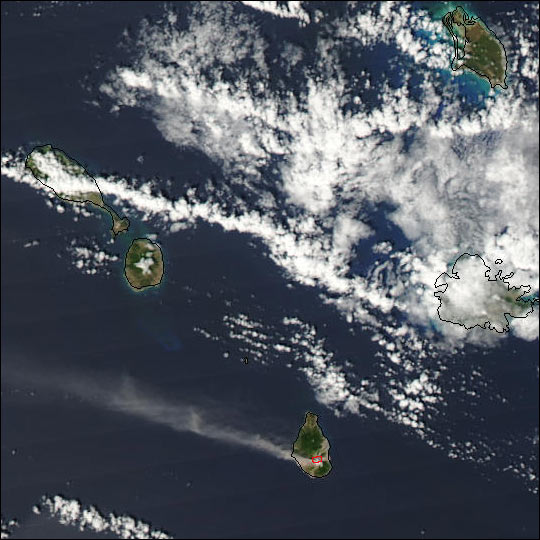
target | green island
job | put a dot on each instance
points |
(143, 264)
(476, 47)
(311, 443)
(70, 181)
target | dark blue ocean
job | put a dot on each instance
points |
(385, 482)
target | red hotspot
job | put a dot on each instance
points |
(318, 458)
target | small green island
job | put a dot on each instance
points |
(476, 47)
(143, 264)
(70, 181)
(310, 450)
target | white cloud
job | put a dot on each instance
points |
(72, 512)
(326, 157)
(317, 161)
(69, 183)
(526, 328)
(145, 263)
(8, 527)
(91, 259)
(31, 243)
(287, 10)
(470, 296)
(449, 188)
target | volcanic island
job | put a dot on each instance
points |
(476, 47)
(143, 264)
(70, 181)
(310, 450)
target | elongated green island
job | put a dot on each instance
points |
(476, 47)
(70, 181)
(310, 450)
(144, 264)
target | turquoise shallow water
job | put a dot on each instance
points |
(90, 326)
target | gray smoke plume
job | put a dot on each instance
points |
(124, 395)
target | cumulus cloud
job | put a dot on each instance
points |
(8, 527)
(71, 512)
(321, 153)
(439, 171)
(468, 296)
(69, 181)
(91, 259)
(288, 10)
(448, 188)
